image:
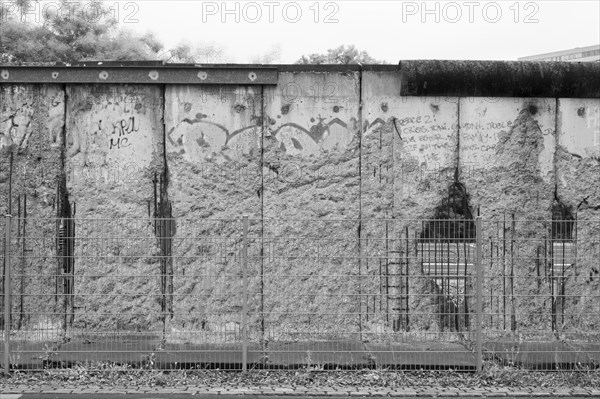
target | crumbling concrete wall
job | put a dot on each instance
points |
(31, 129)
(312, 161)
(507, 164)
(311, 169)
(409, 159)
(213, 153)
(114, 154)
(578, 175)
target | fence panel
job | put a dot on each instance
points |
(542, 296)
(274, 293)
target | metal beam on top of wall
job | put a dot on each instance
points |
(189, 75)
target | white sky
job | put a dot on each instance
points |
(390, 30)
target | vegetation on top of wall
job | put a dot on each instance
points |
(340, 55)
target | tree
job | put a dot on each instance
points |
(272, 56)
(340, 55)
(199, 53)
(69, 33)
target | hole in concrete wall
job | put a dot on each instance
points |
(532, 109)
(563, 222)
(561, 258)
(65, 250)
(447, 258)
(452, 219)
(165, 229)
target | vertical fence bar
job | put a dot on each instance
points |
(7, 301)
(245, 295)
(479, 289)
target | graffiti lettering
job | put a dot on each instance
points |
(120, 131)
(414, 120)
(118, 143)
(125, 126)
(499, 125)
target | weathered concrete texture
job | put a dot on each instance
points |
(409, 156)
(377, 151)
(311, 171)
(425, 162)
(507, 165)
(378, 242)
(507, 155)
(213, 141)
(578, 156)
(31, 125)
(578, 188)
(425, 154)
(114, 152)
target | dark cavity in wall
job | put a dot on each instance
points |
(8, 212)
(65, 246)
(452, 219)
(65, 238)
(563, 222)
(21, 244)
(164, 230)
(447, 254)
(532, 109)
(562, 247)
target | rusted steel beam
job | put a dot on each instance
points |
(138, 75)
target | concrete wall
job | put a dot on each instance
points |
(312, 155)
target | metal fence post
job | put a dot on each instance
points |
(245, 295)
(479, 293)
(7, 301)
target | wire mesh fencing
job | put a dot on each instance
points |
(247, 293)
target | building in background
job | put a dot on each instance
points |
(578, 54)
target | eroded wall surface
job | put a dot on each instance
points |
(114, 156)
(213, 155)
(31, 128)
(312, 162)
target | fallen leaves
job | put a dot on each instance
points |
(114, 375)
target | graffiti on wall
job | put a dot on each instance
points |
(321, 135)
(121, 131)
(200, 138)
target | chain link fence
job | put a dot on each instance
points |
(272, 293)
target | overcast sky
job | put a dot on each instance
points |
(389, 30)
